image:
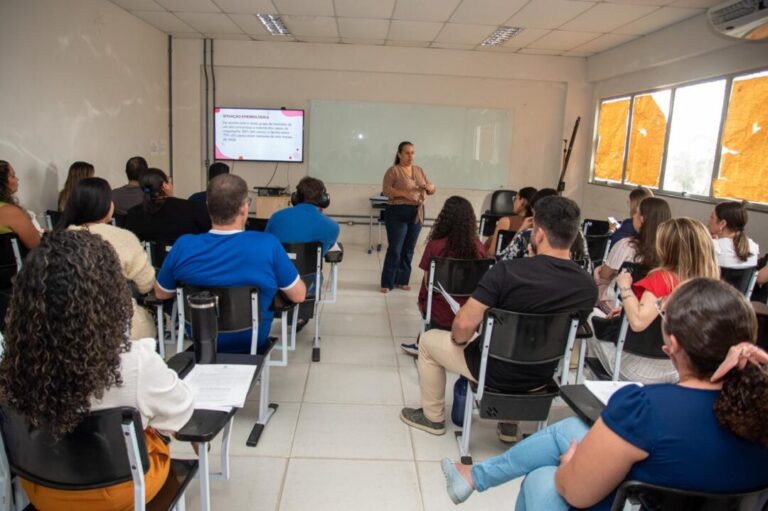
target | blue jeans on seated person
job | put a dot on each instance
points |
(402, 234)
(537, 458)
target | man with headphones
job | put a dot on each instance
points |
(305, 221)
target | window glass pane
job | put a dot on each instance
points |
(611, 139)
(646, 138)
(696, 115)
(744, 159)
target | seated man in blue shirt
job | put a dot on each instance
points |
(216, 169)
(229, 256)
(305, 221)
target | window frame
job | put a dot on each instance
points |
(660, 191)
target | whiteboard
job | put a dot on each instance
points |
(458, 147)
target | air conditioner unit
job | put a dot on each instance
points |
(744, 19)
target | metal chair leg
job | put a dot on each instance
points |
(582, 361)
(316, 342)
(462, 437)
(292, 344)
(266, 409)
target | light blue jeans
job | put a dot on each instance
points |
(537, 458)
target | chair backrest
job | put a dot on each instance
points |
(502, 202)
(503, 240)
(637, 270)
(236, 306)
(595, 227)
(10, 258)
(459, 277)
(528, 338)
(647, 343)
(597, 245)
(94, 455)
(308, 259)
(119, 219)
(158, 249)
(740, 278)
(659, 498)
(52, 218)
(256, 224)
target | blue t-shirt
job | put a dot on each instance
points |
(242, 258)
(688, 449)
(303, 223)
(625, 230)
(200, 197)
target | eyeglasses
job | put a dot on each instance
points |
(249, 201)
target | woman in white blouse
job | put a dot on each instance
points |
(67, 353)
(733, 247)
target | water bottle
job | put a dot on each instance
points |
(459, 401)
(205, 329)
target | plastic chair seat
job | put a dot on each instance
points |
(597, 368)
(518, 406)
(659, 498)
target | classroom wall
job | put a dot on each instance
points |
(688, 51)
(544, 95)
(81, 80)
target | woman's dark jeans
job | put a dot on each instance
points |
(402, 234)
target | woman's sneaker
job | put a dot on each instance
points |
(410, 349)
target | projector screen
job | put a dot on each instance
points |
(259, 134)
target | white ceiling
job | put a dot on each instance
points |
(574, 28)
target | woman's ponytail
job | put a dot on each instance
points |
(151, 183)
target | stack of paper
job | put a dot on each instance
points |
(448, 298)
(220, 386)
(603, 390)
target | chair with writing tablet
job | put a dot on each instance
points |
(526, 340)
(107, 448)
(503, 239)
(593, 227)
(646, 343)
(457, 277)
(157, 249)
(502, 204)
(743, 279)
(635, 495)
(308, 259)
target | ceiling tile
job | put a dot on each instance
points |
(189, 5)
(607, 17)
(696, 4)
(379, 9)
(138, 5)
(249, 24)
(498, 49)
(538, 51)
(424, 10)
(526, 37)
(305, 7)
(486, 12)
(165, 21)
(657, 3)
(414, 30)
(574, 53)
(464, 34)
(246, 6)
(209, 22)
(230, 37)
(317, 39)
(657, 20)
(604, 42)
(548, 13)
(273, 38)
(409, 44)
(363, 41)
(563, 40)
(453, 46)
(356, 28)
(187, 35)
(313, 26)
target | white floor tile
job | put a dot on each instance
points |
(353, 384)
(436, 497)
(351, 431)
(376, 325)
(286, 383)
(367, 351)
(405, 325)
(335, 485)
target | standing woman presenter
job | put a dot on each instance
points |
(406, 185)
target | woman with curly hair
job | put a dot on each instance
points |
(161, 215)
(705, 433)
(90, 207)
(67, 353)
(77, 171)
(13, 218)
(454, 234)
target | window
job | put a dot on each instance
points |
(677, 140)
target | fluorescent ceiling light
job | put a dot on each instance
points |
(501, 36)
(273, 24)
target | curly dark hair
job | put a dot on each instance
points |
(5, 192)
(707, 317)
(457, 223)
(66, 326)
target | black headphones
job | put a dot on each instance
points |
(297, 197)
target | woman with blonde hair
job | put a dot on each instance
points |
(733, 247)
(77, 171)
(685, 251)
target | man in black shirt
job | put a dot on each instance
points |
(549, 282)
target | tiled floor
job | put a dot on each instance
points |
(336, 442)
